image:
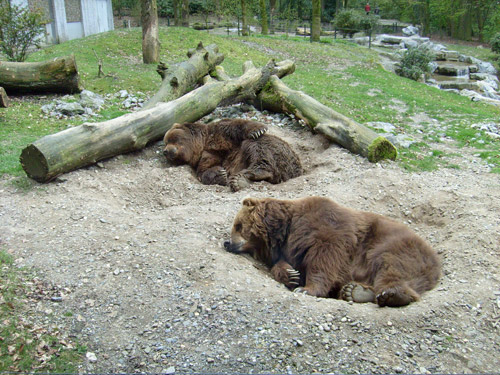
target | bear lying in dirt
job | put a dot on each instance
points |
(315, 246)
(231, 152)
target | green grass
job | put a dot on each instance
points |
(23, 346)
(340, 74)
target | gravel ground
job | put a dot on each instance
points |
(133, 246)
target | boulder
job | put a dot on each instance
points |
(452, 70)
(89, 99)
(410, 30)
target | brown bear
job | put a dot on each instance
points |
(315, 246)
(231, 152)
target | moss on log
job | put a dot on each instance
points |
(338, 128)
(59, 75)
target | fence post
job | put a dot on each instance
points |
(370, 39)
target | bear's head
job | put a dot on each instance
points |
(260, 229)
(184, 143)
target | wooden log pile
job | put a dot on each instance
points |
(73, 148)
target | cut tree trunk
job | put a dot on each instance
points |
(336, 127)
(58, 76)
(83, 145)
(150, 40)
(4, 99)
(181, 78)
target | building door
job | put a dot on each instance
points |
(102, 16)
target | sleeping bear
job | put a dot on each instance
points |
(317, 247)
(231, 152)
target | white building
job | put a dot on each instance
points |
(72, 19)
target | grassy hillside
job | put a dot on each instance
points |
(342, 75)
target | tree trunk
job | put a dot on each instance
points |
(336, 127)
(83, 145)
(272, 6)
(59, 76)
(150, 39)
(4, 99)
(316, 21)
(185, 13)
(244, 21)
(263, 17)
(176, 5)
(180, 79)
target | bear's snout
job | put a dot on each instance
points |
(170, 152)
(232, 247)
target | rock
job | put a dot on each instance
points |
(170, 370)
(385, 126)
(486, 67)
(410, 30)
(400, 140)
(71, 109)
(451, 70)
(91, 357)
(91, 100)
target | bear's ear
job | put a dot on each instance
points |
(250, 202)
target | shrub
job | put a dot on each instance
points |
(347, 22)
(495, 43)
(20, 29)
(415, 62)
(368, 22)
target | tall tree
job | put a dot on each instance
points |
(263, 17)
(185, 13)
(244, 22)
(150, 39)
(316, 21)
(176, 5)
(272, 9)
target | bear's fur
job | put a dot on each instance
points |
(231, 152)
(315, 246)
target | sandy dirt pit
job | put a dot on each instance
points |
(133, 246)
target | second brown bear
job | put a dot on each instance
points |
(232, 152)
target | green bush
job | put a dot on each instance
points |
(415, 62)
(20, 29)
(350, 21)
(347, 22)
(495, 43)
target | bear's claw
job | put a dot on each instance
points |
(293, 276)
(395, 297)
(238, 182)
(257, 134)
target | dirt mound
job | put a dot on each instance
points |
(135, 247)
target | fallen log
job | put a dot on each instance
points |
(59, 75)
(182, 77)
(277, 97)
(86, 144)
(4, 99)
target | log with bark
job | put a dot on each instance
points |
(338, 128)
(4, 99)
(182, 77)
(86, 144)
(59, 75)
